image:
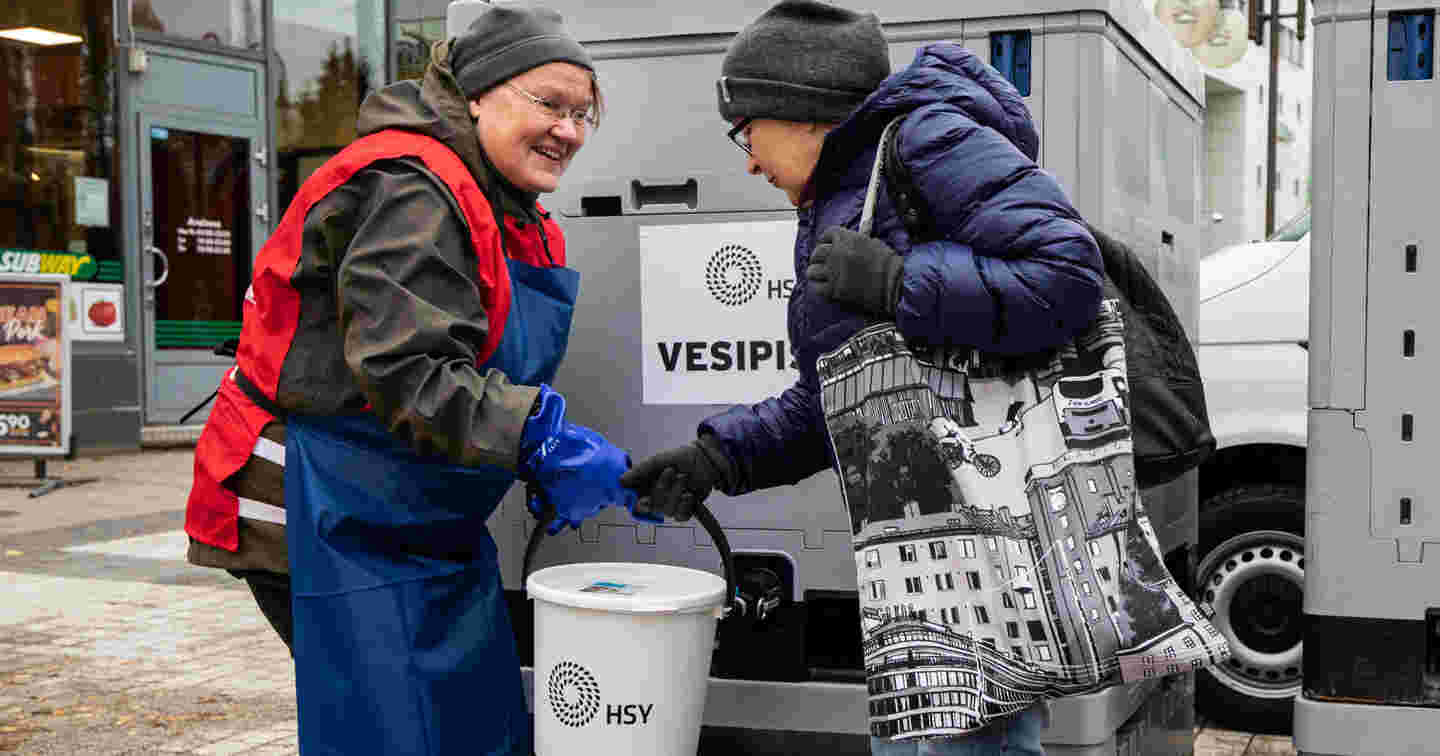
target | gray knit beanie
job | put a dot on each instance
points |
(507, 40)
(803, 61)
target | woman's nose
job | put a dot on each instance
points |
(567, 131)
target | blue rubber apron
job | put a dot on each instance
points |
(403, 643)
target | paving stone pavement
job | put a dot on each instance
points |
(111, 645)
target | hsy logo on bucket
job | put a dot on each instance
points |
(575, 698)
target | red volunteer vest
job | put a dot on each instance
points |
(272, 311)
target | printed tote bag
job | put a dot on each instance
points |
(1003, 554)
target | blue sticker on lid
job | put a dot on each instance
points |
(611, 586)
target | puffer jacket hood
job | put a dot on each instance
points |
(436, 107)
(941, 74)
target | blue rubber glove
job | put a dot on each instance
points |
(568, 466)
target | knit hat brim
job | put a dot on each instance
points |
(483, 74)
(803, 60)
(784, 101)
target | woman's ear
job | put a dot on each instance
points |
(475, 110)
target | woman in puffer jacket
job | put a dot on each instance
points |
(807, 91)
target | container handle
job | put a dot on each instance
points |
(706, 518)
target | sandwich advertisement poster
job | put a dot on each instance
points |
(34, 366)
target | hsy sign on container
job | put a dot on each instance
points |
(714, 299)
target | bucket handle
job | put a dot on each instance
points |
(706, 518)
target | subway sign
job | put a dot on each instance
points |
(80, 267)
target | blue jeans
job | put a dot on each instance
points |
(1016, 735)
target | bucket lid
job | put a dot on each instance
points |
(628, 587)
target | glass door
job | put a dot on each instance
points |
(201, 225)
(200, 182)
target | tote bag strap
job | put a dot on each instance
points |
(872, 192)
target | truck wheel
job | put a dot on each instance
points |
(1251, 580)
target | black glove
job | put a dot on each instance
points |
(856, 270)
(672, 482)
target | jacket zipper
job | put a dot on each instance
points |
(545, 241)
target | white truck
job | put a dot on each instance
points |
(1253, 353)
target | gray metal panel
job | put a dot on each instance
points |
(106, 394)
(1363, 560)
(1341, 217)
(108, 429)
(1322, 241)
(1401, 215)
(104, 380)
(636, 19)
(1354, 567)
(1078, 724)
(1182, 167)
(1069, 60)
(1358, 730)
(1131, 129)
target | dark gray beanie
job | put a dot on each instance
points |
(507, 40)
(803, 61)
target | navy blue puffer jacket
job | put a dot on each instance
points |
(1016, 271)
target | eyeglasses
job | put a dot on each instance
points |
(740, 137)
(581, 117)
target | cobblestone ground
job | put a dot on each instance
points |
(100, 667)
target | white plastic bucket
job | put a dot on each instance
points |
(622, 657)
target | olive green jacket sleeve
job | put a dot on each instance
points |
(412, 321)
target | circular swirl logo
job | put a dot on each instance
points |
(574, 694)
(733, 275)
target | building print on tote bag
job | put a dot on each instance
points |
(1001, 549)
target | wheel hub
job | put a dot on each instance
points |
(1252, 586)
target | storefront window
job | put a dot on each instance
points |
(57, 138)
(223, 23)
(330, 54)
(419, 24)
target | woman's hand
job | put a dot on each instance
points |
(856, 270)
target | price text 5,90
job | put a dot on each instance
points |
(14, 425)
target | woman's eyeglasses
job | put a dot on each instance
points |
(740, 136)
(581, 117)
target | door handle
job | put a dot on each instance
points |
(154, 250)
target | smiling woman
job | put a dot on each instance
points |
(532, 126)
(402, 324)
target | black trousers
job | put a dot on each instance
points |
(272, 594)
